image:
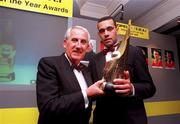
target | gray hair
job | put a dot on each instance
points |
(68, 32)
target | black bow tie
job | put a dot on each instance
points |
(110, 49)
(105, 51)
(77, 67)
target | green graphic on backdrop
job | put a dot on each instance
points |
(7, 57)
(14, 69)
(7, 51)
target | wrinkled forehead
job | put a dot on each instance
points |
(79, 33)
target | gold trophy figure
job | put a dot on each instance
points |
(119, 63)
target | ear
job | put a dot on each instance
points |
(65, 43)
(99, 34)
(88, 48)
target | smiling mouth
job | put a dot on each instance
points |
(77, 52)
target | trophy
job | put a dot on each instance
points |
(119, 63)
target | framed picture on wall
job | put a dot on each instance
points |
(145, 52)
(156, 58)
(169, 59)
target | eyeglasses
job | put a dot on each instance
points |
(109, 28)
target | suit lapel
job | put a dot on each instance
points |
(87, 76)
(68, 72)
(100, 64)
(72, 77)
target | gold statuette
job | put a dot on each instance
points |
(119, 63)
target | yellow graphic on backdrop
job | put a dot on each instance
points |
(136, 31)
(53, 7)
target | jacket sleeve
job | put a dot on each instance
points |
(52, 97)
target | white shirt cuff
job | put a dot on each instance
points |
(85, 98)
(133, 92)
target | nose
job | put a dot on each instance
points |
(106, 33)
(78, 43)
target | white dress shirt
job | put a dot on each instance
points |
(82, 82)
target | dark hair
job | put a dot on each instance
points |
(107, 18)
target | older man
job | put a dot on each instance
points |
(64, 85)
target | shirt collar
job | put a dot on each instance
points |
(70, 63)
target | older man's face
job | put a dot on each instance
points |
(76, 45)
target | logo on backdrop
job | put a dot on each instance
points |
(52, 7)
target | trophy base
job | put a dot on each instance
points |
(108, 88)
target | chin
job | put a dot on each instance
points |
(77, 58)
(109, 45)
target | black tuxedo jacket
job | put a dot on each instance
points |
(113, 109)
(59, 96)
